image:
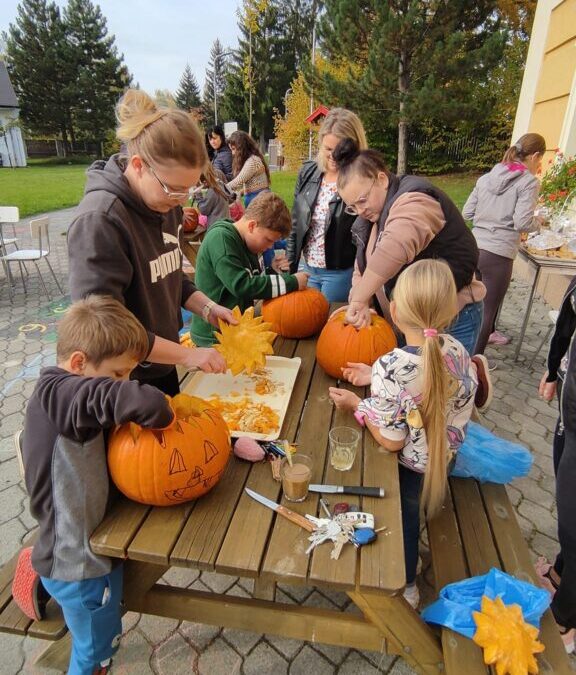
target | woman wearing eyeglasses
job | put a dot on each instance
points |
(125, 238)
(321, 242)
(401, 219)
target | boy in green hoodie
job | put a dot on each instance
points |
(229, 269)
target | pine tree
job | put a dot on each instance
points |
(38, 59)
(275, 37)
(419, 60)
(218, 67)
(101, 74)
(188, 94)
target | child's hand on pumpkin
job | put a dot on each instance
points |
(302, 278)
(358, 374)
(344, 399)
(206, 359)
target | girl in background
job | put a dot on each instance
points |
(251, 174)
(212, 197)
(422, 397)
(501, 206)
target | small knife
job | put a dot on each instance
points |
(282, 510)
(348, 490)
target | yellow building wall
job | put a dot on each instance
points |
(556, 76)
(546, 109)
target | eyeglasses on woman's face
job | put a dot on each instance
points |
(171, 194)
(360, 204)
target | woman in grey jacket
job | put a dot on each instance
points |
(501, 206)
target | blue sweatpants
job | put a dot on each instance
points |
(91, 610)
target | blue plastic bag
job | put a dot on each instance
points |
(487, 457)
(457, 601)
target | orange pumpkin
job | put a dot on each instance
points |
(340, 343)
(297, 315)
(176, 465)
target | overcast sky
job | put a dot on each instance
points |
(158, 38)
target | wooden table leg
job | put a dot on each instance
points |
(264, 590)
(139, 577)
(404, 629)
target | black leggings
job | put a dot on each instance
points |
(564, 601)
(496, 273)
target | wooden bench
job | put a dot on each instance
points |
(477, 530)
(12, 620)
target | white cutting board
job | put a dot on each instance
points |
(282, 369)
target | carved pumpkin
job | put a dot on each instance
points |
(245, 345)
(297, 315)
(176, 465)
(340, 343)
(509, 642)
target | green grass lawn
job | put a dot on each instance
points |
(42, 187)
(48, 185)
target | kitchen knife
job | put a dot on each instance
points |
(282, 510)
(348, 490)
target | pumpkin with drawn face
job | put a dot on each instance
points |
(174, 465)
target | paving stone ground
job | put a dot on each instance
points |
(162, 646)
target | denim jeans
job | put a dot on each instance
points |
(249, 196)
(334, 284)
(91, 610)
(466, 326)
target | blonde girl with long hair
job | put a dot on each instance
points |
(421, 399)
(124, 240)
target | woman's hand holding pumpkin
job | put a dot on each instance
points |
(221, 312)
(358, 374)
(358, 314)
(344, 399)
(206, 359)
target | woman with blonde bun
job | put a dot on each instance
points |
(321, 239)
(125, 238)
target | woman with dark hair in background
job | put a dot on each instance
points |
(251, 174)
(222, 156)
(501, 206)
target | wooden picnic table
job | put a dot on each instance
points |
(228, 532)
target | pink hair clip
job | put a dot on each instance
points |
(430, 332)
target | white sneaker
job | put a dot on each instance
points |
(412, 595)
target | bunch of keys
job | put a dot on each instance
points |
(355, 527)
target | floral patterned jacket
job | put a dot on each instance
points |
(396, 392)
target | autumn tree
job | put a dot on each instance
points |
(290, 128)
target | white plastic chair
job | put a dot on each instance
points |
(8, 215)
(39, 234)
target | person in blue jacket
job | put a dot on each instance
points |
(222, 158)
